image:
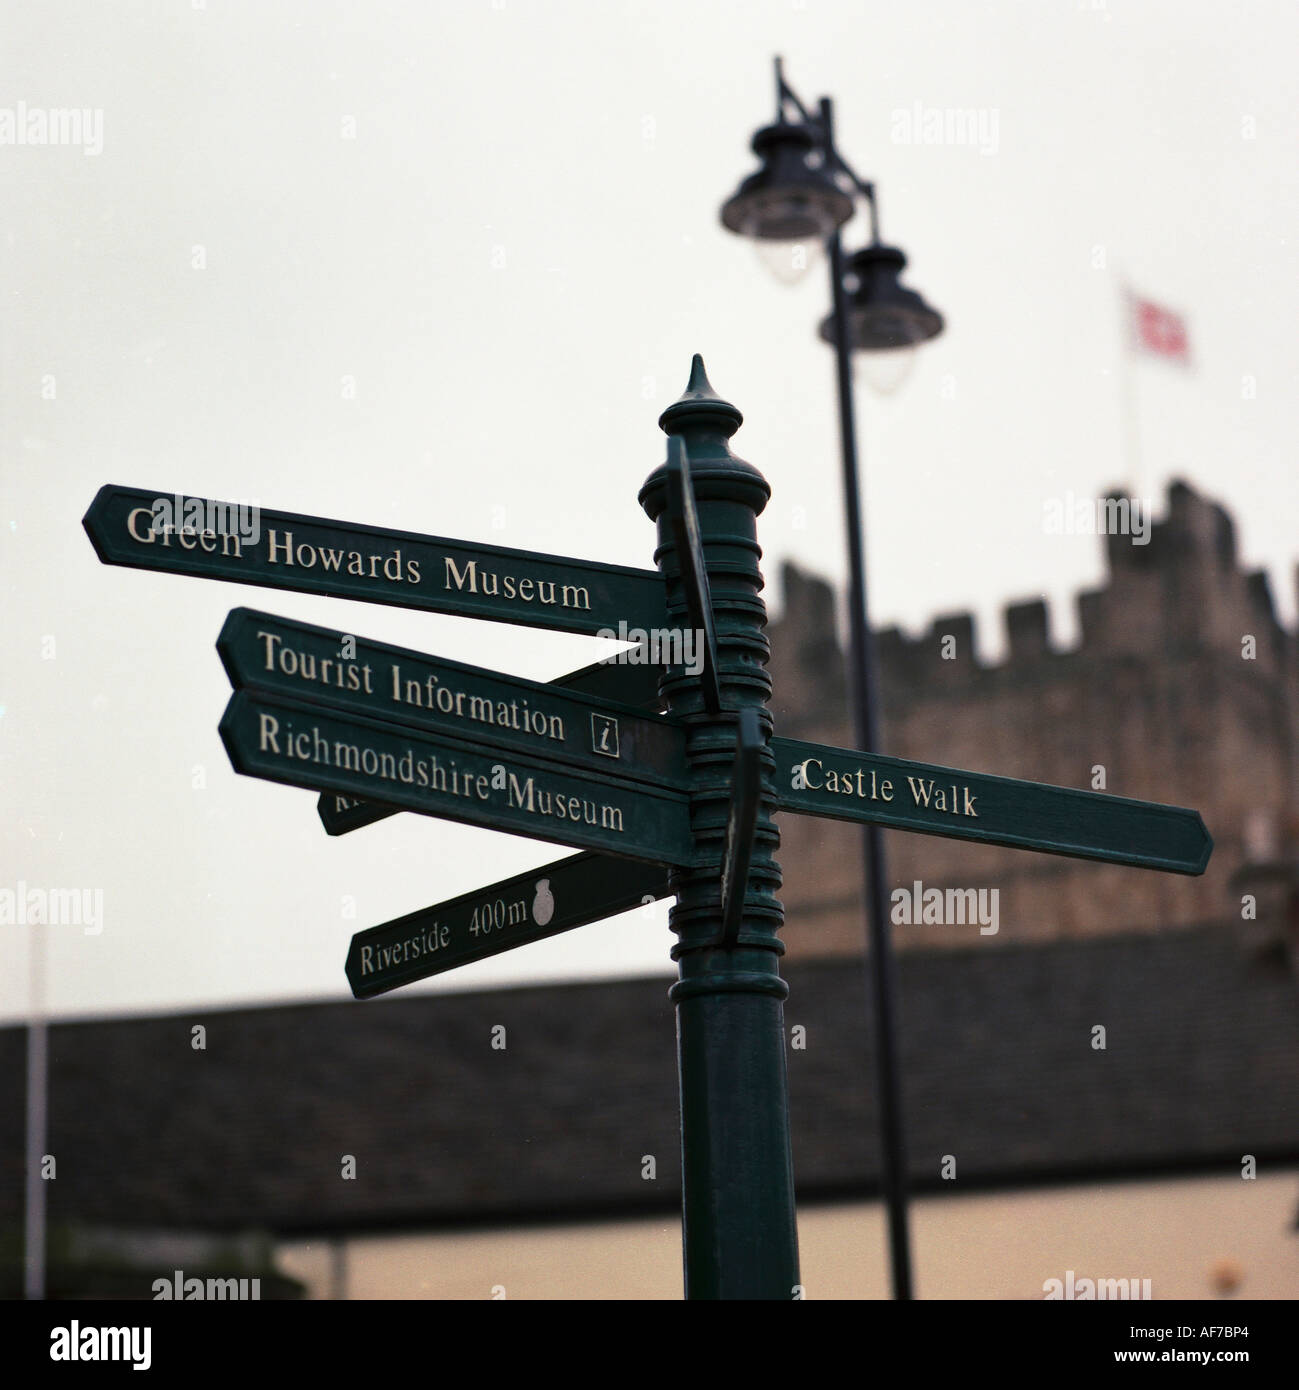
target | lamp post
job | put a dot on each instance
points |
(798, 201)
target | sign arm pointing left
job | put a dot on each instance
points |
(372, 564)
(543, 902)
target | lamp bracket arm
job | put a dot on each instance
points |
(822, 126)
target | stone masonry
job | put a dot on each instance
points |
(1160, 692)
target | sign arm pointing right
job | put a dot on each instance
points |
(818, 780)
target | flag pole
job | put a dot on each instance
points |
(1130, 420)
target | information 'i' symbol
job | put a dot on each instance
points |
(543, 905)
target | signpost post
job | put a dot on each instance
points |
(678, 804)
(737, 1170)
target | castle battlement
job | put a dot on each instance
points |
(1180, 585)
(1183, 687)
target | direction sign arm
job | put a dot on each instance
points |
(211, 539)
(303, 744)
(625, 684)
(528, 907)
(818, 780)
(341, 814)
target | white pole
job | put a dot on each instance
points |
(37, 1083)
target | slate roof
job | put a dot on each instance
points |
(1201, 1066)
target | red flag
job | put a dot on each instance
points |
(1158, 331)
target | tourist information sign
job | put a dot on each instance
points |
(284, 550)
(817, 780)
(615, 681)
(309, 744)
(529, 907)
(350, 673)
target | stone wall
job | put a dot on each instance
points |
(1159, 692)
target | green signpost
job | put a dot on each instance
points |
(674, 804)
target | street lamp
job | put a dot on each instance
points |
(883, 315)
(792, 204)
(806, 191)
(886, 321)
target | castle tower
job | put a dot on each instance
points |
(1182, 689)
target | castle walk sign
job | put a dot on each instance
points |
(661, 769)
(815, 780)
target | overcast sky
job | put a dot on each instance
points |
(498, 221)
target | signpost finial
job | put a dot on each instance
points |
(706, 423)
(699, 404)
